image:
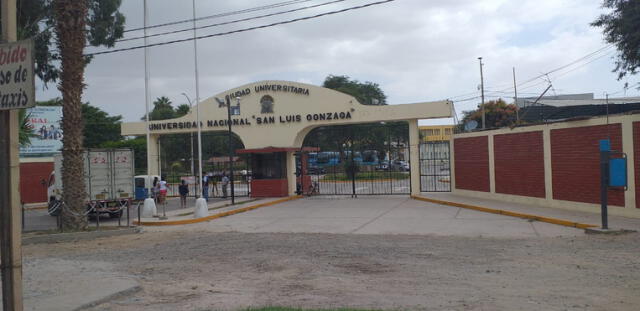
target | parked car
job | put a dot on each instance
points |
(399, 165)
(382, 166)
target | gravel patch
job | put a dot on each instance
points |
(229, 271)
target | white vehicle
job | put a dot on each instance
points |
(108, 180)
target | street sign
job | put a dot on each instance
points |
(17, 75)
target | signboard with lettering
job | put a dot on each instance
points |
(44, 122)
(17, 82)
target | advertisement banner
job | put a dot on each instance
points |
(46, 132)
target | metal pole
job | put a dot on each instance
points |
(604, 181)
(195, 59)
(10, 231)
(482, 93)
(190, 139)
(230, 150)
(515, 93)
(146, 97)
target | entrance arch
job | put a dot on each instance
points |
(287, 115)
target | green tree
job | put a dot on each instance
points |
(99, 126)
(497, 114)
(162, 109)
(182, 110)
(26, 128)
(620, 27)
(367, 93)
(103, 25)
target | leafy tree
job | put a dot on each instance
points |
(497, 114)
(367, 93)
(620, 27)
(104, 24)
(99, 126)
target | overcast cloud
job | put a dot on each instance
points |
(416, 50)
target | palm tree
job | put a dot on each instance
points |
(26, 128)
(71, 33)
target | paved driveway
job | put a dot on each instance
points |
(378, 215)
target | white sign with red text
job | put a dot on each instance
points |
(17, 75)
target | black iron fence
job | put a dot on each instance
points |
(435, 167)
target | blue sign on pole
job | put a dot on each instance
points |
(605, 145)
(618, 172)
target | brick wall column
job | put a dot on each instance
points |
(628, 148)
(492, 165)
(548, 179)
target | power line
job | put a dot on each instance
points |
(242, 30)
(264, 7)
(231, 22)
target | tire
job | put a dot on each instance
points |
(51, 208)
(116, 215)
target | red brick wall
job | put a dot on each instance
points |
(575, 160)
(519, 164)
(636, 156)
(31, 188)
(261, 188)
(472, 163)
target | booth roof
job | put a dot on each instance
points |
(277, 149)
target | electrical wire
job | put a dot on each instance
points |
(249, 10)
(230, 22)
(241, 30)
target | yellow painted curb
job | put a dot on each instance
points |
(550, 220)
(211, 217)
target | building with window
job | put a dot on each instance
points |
(430, 133)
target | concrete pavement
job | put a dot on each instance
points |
(615, 222)
(379, 215)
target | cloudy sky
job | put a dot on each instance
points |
(416, 50)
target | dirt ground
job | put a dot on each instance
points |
(213, 271)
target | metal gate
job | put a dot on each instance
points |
(369, 159)
(435, 167)
(215, 169)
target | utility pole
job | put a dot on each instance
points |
(195, 71)
(482, 92)
(191, 142)
(515, 93)
(10, 230)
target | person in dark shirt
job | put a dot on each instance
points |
(183, 189)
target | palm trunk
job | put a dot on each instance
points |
(70, 30)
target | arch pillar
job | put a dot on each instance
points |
(291, 172)
(153, 155)
(414, 156)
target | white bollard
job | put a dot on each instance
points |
(149, 208)
(202, 209)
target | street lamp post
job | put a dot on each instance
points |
(236, 111)
(191, 143)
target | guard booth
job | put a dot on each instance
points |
(271, 167)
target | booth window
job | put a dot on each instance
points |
(269, 165)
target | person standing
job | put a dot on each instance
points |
(224, 182)
(183, 189)
(205, 187)
(155, 189)
(163, 190)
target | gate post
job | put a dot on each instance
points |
(414, 156)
